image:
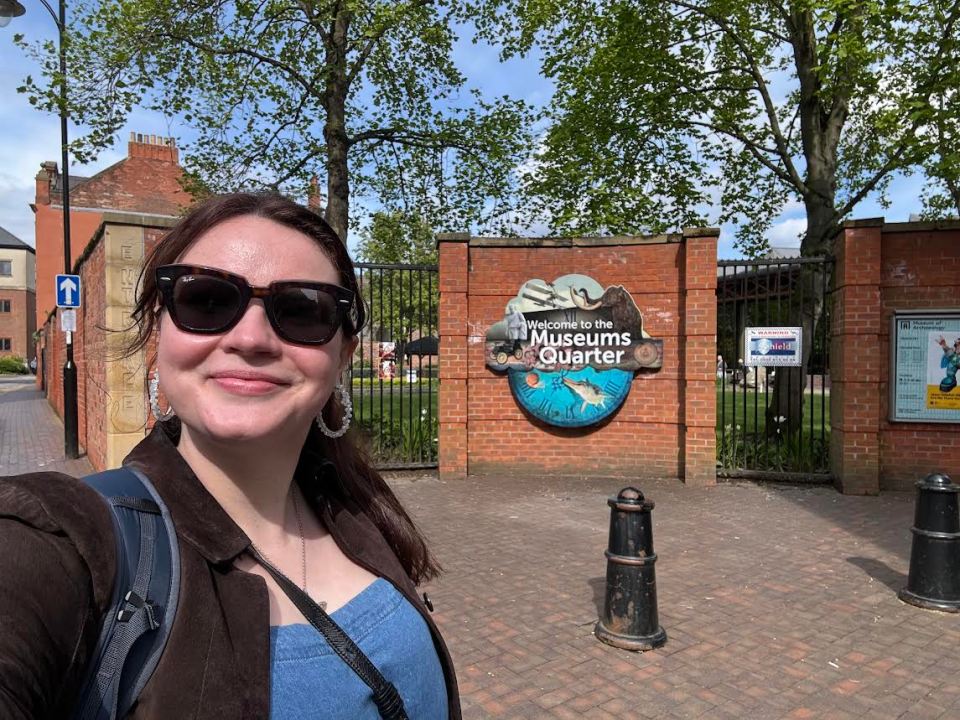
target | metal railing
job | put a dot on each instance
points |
(773, 423)
(394, 373)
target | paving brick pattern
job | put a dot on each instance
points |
(778, 602)
(31, 435)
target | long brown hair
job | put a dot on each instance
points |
(355, 483)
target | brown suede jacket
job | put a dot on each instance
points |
(57, 560)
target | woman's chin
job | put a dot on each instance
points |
(250, 430)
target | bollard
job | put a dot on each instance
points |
(934, 580)
(629, 617)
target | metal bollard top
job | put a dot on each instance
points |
(631, 499)
(938, 482)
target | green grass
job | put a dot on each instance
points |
(401, 421)
(744, 443)
(748, 410)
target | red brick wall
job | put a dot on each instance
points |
(49, 224)
(882, 267)
(666, 425)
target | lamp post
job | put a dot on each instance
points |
(10, 9)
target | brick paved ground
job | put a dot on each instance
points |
(31, 435)
(778, 601)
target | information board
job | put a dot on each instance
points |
(924, 360)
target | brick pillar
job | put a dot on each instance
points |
(125, 414)
(453, 252)
(698, 343)
(855, 360)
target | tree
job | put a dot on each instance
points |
(399, 284)
(941, 195)
(658, 103)
(364, 92)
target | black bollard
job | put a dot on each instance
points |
(629, 617)
(934, 581)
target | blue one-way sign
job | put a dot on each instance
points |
(68, 291)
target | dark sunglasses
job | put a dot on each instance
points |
(209, 301)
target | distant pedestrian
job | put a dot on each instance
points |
(253, 303)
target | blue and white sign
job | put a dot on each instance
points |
(773, 346)
(68, 291)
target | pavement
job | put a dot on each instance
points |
(778, 601)
(31, 434)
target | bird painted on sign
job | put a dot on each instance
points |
(586, 391)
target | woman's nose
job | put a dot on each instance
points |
(253, 333)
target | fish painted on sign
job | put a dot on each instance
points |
(589, 393)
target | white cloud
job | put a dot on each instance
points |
(787, 233)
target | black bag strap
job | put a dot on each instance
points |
(385, 695)
(145, 593)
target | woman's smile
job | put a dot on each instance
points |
(247, 382)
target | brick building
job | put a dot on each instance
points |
(144, 185)
(17, 297)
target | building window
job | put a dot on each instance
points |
(6, 268)
(4, 306)
(5, 343)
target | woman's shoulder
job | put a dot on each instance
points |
(57, 563)
(68, 517)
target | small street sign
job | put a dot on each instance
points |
(68, 291)
(68, 320)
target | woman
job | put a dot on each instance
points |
(256, 310)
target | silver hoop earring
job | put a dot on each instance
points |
(158, 414)
(347, 403)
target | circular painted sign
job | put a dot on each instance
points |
(570, 398)
(570, 348)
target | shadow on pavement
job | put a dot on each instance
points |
(599, 587)
(880, 571)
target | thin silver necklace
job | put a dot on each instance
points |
(303, 552)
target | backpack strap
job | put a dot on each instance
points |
(145, 593)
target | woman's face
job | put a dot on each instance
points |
(247, 383)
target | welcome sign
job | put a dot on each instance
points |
(570, 348)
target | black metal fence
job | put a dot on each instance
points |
(774, 422)
(394, 374)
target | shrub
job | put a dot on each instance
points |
(13, 365)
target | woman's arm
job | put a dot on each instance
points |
(45, 609)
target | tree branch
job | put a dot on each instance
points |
(789, 173)
(249, 52)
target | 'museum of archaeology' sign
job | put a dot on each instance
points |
(924, 359)
(773, 346)
(570, 349)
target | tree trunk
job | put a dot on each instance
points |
(335, 129)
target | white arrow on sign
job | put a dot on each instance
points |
(68, 287)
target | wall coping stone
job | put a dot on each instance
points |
(902, 227)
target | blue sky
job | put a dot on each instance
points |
(31, 137)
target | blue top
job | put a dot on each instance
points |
(308, 681)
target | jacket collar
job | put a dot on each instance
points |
(201, 521)
(197, 515)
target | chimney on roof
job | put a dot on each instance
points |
(46, 179)
(314, 198)
(153, 147)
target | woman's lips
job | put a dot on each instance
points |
(247, 383)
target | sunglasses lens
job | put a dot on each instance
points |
(305, 314)
(205, 304)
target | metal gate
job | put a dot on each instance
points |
(755, 438)
(394, 374)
